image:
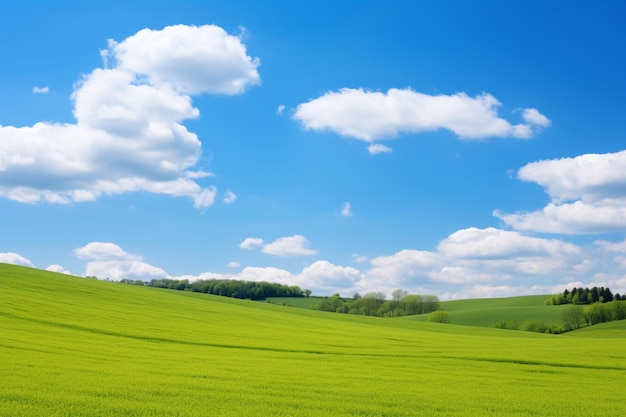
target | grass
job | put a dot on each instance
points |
(78, 347)
(486, 312)
(299, 302)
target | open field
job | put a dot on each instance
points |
(78, 347)
(487, 312)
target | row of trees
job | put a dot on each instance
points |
(577, 316)
(574, 317)
(375, 304)
(585, 296)
(231, 288)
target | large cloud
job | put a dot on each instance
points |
(128, 134)
(588, 195)
(15, 259)
(373, 115)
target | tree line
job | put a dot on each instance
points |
(228, 288)
(585, 296)
(375, 304)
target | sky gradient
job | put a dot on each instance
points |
(462, 149)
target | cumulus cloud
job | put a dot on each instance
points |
(128, 135)
(15, 259)
(373, 115)
(233, 264)
(41, 90)
(296, 245)
(492, 243)
(588, 195)
(58, 268)
(251, 243)
(109, 261)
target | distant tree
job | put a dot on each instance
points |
(573, 317)
(307, 293)
(619, 310)
(439, 316)
(397, 296)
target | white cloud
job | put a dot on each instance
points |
(128, 135)
(41, 90)
(118, 270)
(295, 245)
(191, 59)
(109, 261)
(324, 276)
(233, 264)
(401, 268)
(280, 109)
(103, 251)
(251, 243)
(346, 210)
(377, 148)
(491, 243)
(15, 259)
(230, 197)
(588, 195)
(533, 117)
(58, 268)
(373, 115)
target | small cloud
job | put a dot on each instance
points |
(280, 109)
(251, 243)
(377, 148)
(346, 210)
(233, 265)
(296, 245)
(533, 117)
(359, 258)
(230, 197)
(41, 90)
(58, 268)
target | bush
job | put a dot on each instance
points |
(507, 324)
(439, 316)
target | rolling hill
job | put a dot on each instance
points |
(79, 347)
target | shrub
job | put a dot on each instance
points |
(439, 316)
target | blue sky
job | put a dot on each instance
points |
(463, 149)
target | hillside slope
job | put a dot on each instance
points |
(79, 347)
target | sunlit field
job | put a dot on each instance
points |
(79, 347)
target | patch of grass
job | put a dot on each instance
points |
(613, 329)
(299, 302)
(79, 347)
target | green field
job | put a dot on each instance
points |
(487, 312)
(79, 347)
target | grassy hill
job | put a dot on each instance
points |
(486, 312)
(79, 347)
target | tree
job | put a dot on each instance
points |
(439, 316)
(307, 293)
(573, 317)
(397, 296)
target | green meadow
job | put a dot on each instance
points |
(487, 312)
(79, 347)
